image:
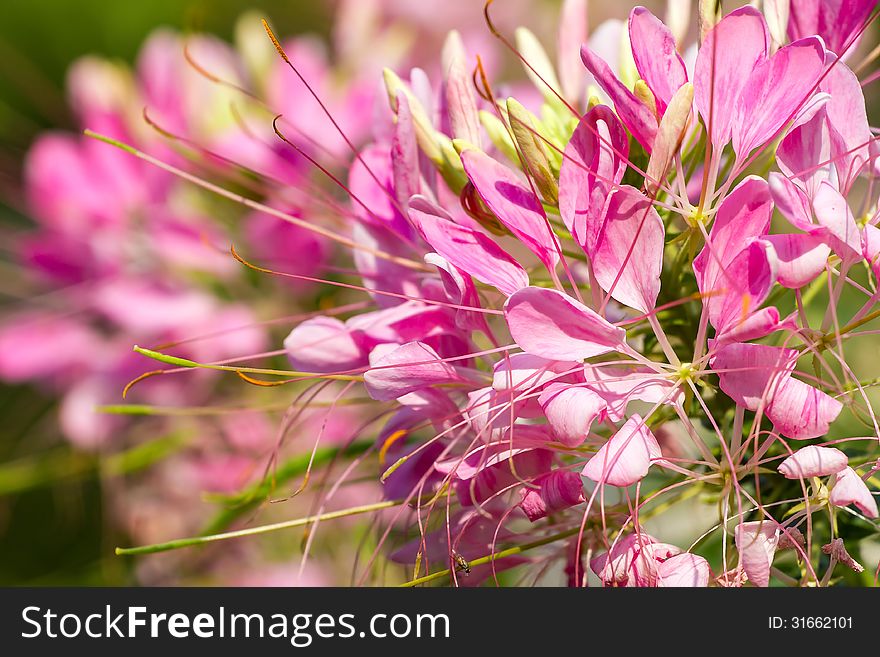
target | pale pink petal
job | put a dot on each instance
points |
(793, 202)
(323, 344)
(849, 488)
(847, 121)
(619, 386)
(756, 542)
(727, 56)
(804, 153)
(775, 92)
(833, 213)
(628, 256)
(460, 290)
(570, 411)
(638, 119)
(515, 205)
(558, 490)
(405, 369)
(683, 570)
(626, 457)
(798, 410)
(552, 325)
(461, 102)
(527, 371)
(800, 258)
(467, 249)
(656, 57)
(813, 461)
(593, 165)
(571, 35)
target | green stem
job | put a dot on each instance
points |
(254, 531)
(249, 499)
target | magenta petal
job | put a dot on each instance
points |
(871, 247)
(461, 291)
(558, 490)
(836, 21)
(728, 54)
(775, 91)
(800, 258)
(638, 119)
(619, 386)
(515, 205)
(405, 369)
(628, 256)
(570, 411)
(683, 570)
(552, 325)
(813, 461)
(656, 57)
(756, 542)
(467, 249)
(626, 457)
(849, 488)
(594, 164)
(323, 344)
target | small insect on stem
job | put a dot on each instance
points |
(461, 563)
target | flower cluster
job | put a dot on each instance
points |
(642, 285)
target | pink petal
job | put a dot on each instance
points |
(323, 344)
(836, 21)
(405, 369)
(800, 258)
(833, 213)
(848, 123)
(527, 371)
(467, 249)
(461, 102)
(404, 154)
(628, 256)
(792, 201)
(798, 410)
(593, 165)
(727, 56)
(813, 461)
(638, 119)
(513, 203)
(775, 91)
(804, 150)
(461, 291)
(626, 457)
(683, 570)
(745, 285)
(749, 373)
(756, 542)
(570, 411)
(656, 57)
(572, 33)
(849, 488)
(552, 325)
(558, 490)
